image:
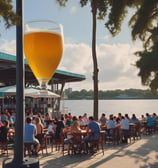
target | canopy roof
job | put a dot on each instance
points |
(8, 73)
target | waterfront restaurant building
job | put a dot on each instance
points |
(57, 82)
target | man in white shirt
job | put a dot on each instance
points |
(125, 132)
(85, 119)
(110, 123)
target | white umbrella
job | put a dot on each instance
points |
(29, 92)
(35, 93)
(8, 90)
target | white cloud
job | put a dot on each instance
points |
(8, 47)
(76, 58)
(115, 61)
(115, 64)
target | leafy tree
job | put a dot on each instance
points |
(114, 94)
(7, 14)
(148, 65)
(145, 27)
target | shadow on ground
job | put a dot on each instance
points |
(140, 156)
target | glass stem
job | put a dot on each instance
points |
(43, 85)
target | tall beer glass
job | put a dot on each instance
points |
(43, 48)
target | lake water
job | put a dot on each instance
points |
(138, 107)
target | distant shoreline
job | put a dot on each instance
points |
(119, 99)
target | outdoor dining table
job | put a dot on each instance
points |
(85, 133)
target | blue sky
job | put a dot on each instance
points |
(115, 55)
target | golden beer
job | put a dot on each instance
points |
(43, 51)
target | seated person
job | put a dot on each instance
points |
(155, 116)
(149, 120)
(93, 130)
(39, 128)
(74, 128)
(103, 119)
(125, 129)
(93, 134)
(59, 127)
(67, 134)
(110, 124)
(30, 133)
(4, 131)
(47, 119)
(134, 119)
(4, 116)
(72, 136)
(51, 129)
(150, 123)
(81, 122)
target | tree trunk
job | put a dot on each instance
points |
(95, 64)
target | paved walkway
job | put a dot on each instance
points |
(140, 154)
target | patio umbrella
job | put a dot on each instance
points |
(8, 90)
(28, 91)
(35, 93)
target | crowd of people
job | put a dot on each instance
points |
(37, 124)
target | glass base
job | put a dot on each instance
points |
(43, 85)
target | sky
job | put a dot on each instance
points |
(115, 55)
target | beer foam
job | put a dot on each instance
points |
(41, 31)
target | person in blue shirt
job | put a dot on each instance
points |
(4, 117)
(150, 120)
(29, 135)
(93, 130)
(150, 123)
(93, 134)
(103, 119)
(110, 124)
(134, 119)
(155, 116)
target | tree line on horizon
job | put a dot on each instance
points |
(111, 94)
